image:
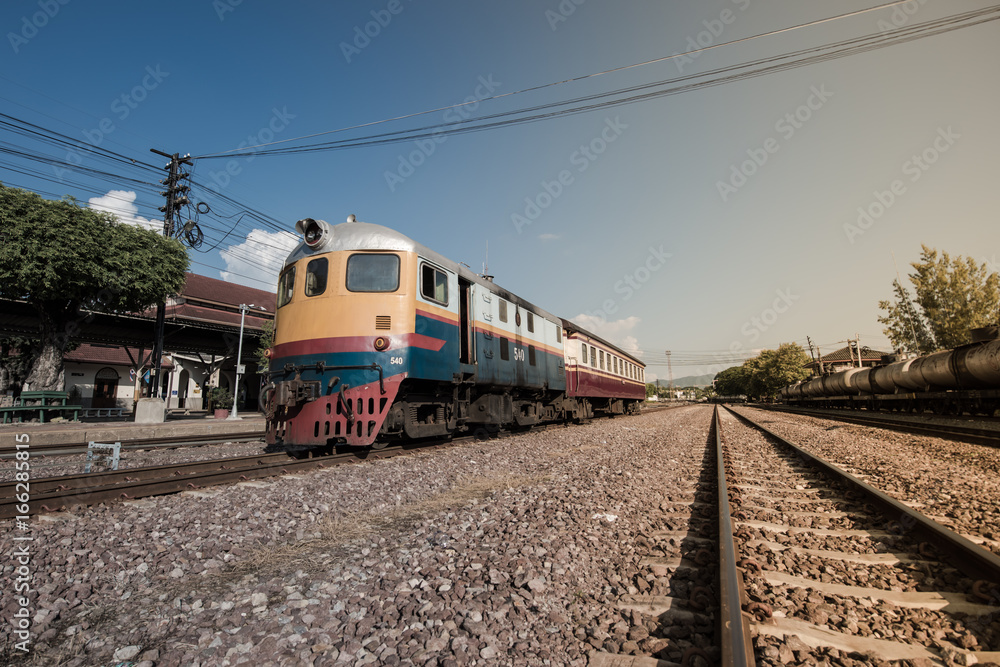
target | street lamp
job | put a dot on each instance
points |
(239, 358)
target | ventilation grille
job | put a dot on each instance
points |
(383, 322)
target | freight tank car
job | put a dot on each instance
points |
(378, 338)
(964, 379)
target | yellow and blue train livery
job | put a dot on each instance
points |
(378, 337)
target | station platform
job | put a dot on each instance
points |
(75, 433)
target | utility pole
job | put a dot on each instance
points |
(670, 377)
(176, 195)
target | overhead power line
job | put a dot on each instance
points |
(643, 92)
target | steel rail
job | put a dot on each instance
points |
(265, 466)
(964, 554)
(737, 649)
(10, 452)
(978, 436)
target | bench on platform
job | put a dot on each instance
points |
(46, 402)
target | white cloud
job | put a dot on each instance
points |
(121, 203)
(258, 259)
(617, 332)
(548, 237)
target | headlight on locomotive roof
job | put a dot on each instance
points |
(314, 232)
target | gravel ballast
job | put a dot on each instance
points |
(511, 551)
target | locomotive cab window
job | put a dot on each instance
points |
(373, 273)
(504, 349)
(316, 272)
(503, 310)
(286, 285)
(531, 322)
(433, 284)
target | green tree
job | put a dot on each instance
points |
(264, 343)
(904, 326)
(64, 260)
(732, 382)
(771, 370)
(650, 389)
(953, 295)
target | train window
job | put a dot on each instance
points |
(286, 285)
(504, 350)
(503, 310)
(558, 334)
(531, 322)
(593, 356)
(433, 284)
(373, 273)
(531, 355)
(584, 352)
(602, 359)
(316, 276)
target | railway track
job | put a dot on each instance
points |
(53, 494)
(972, 434)
(824, 565)
(8, 451)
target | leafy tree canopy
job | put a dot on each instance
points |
(60, 257)
(732, 382)
(953, 295)
(764, 375)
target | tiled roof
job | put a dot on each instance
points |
(204, 288)
(112, 356)
(187, 311)
(844, 354)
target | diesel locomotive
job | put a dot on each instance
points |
(955, 381)
(378, 338)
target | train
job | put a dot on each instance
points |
(965, 379)
(379, 339)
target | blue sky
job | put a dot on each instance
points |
(721, 220)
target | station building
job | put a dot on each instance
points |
(207, 311)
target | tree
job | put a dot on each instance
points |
(764, 375)
(650, 390)
(16, 356)
(63, 259)
(264, 343)
(771, 370)
(953, 296)
(732, 382)
(905, 327)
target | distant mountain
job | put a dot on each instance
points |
(690, 381)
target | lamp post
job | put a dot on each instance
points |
(239, 358)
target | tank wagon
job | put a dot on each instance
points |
(378, 338)
(956, 381)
